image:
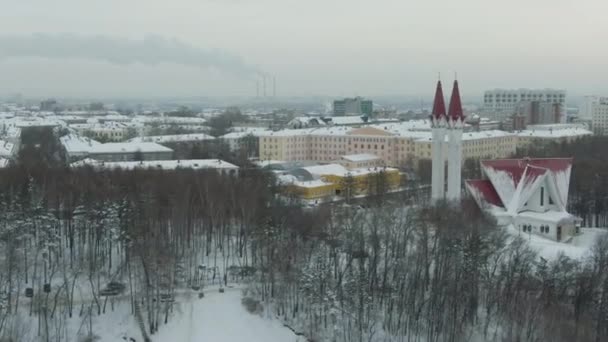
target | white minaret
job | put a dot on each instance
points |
(438, 125)
(455, 126)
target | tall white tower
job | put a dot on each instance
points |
(455, 126)
(438, 125)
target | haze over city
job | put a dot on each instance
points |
(337, 48)
(303, 170)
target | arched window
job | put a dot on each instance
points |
(547, 229)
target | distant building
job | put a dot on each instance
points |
(76, 146)
(112, 152)
(500, 104)
(324, 181)
(356, 105)
(49, 105)
(585, 111)
(540, 112)
(599, 116)
(220, 166)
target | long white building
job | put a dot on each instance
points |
(501, 103)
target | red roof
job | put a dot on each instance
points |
(438, 103)
(486, 190)
(516, 167)
(455, 110)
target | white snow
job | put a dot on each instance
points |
(360, 157)
(172, 138)
(75, 144)
(504, 185)
(129, 147)
(221, 317)
(159, 164)
(7, 149)
(578, 248)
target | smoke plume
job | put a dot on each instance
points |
(151, 50)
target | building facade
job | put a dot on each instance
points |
(599, 116)
(500, 104)
(356, 105)
(400, 144)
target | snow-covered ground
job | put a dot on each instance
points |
(578, 248)
(222, 317)
(217, 317)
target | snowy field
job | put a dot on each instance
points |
(578, 248)
(217, 317)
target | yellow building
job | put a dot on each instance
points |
(310, 190)
(340, 180)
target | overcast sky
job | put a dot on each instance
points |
(313, 47)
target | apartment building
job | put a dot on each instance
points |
(599, 116)
(499, 104)
(399, 144)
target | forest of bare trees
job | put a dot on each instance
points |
(76, 242)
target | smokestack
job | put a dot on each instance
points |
(274, 86)
(264, 83)
(257, 88)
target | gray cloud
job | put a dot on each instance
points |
(151, 50)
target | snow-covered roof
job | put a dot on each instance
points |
(287, 179)
(75, 143)
(173, 138)
(159, 164)
(511, 182)
(128, 147)
(238, 135)
(346, 120)
(338, 170)
(360, 157)
(7, 149)
(554, 133)
(329, 169)
(551, 215)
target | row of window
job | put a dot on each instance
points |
(543, 229)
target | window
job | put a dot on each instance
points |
(551, 200)
(542, 196)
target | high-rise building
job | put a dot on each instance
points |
(599, 116)
(540, 112)
(356, 105)
(586, 109)
(500, 104)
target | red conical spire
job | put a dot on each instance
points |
(455, 110)
(438, 103)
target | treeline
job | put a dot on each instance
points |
(429, 274)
